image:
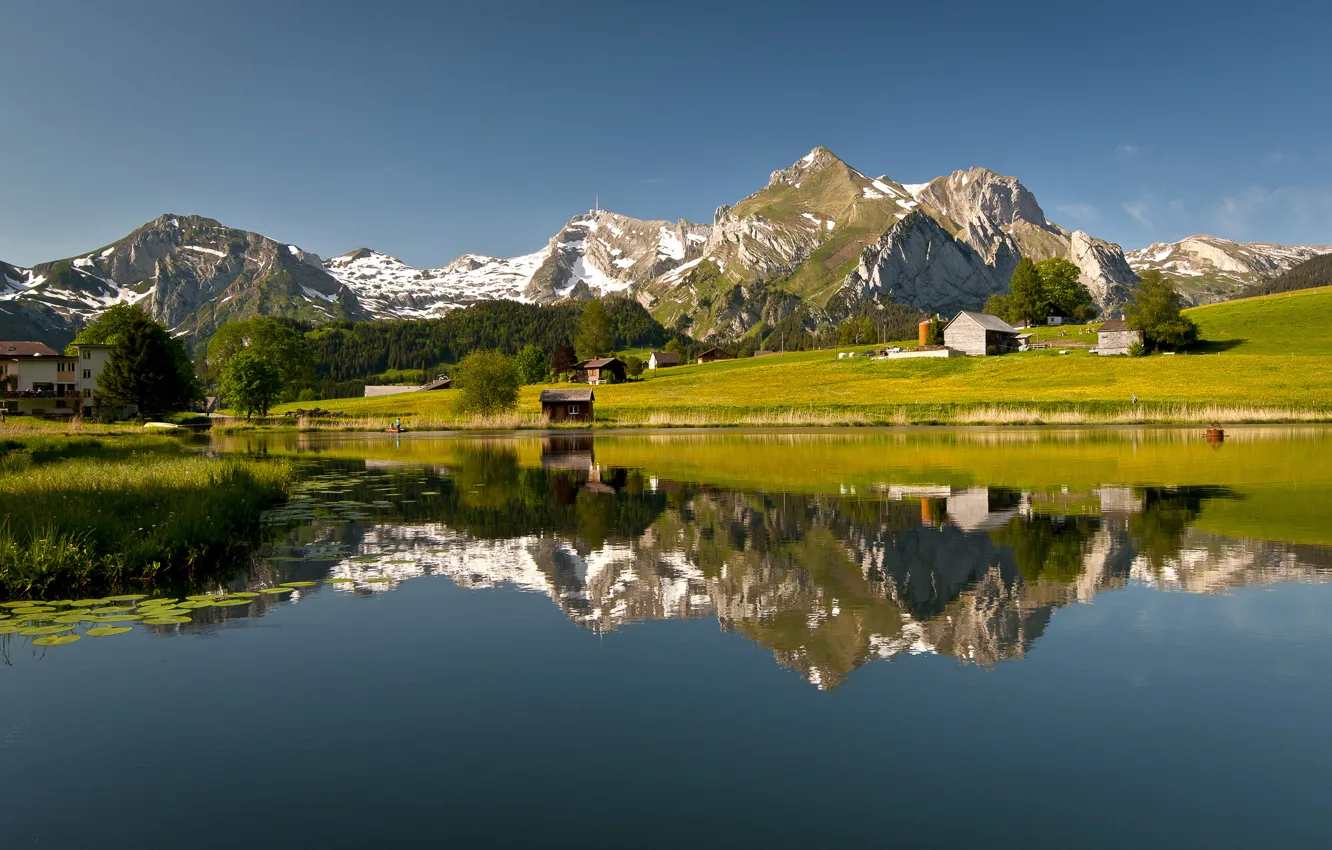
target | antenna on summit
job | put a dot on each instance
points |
(596, 202)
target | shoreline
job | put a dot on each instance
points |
(924, 416)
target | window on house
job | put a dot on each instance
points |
(87, 355)
(87, 373)
(87, 393)
(573, 410)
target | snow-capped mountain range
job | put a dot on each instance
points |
(1208, 268)
(820, 238)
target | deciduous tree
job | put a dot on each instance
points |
(283, 348)
(487, 383)
(531, 364)
(250, 383)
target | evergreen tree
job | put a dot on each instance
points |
(1027, 296)
(1155, 311)
(250, 383)
(147, 368)
(488, 383)
(595, 336)
(531, 364)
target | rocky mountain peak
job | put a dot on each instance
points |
(816, 160)
(980, 193)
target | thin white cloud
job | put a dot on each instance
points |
(1140, 212)
(1278, 157)
(1080, 212)
(1127, 151)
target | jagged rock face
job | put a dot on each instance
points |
(1207, 269)
(1104, 270)
(190, 273)
(1001, 219)
(920, 264)
(612, 253)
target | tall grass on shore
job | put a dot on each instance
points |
(81, 516)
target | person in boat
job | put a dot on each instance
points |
(397, 424)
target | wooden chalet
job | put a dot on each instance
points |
(663, 359)
(712, 355)
(600, 370)
(980, 334)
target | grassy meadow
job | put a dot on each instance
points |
(1263, 360)
(86, 515)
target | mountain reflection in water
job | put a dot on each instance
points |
(827, 581)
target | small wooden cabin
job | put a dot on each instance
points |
(567, 405)
(600, 370)
(711, 355)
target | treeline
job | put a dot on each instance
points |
(1309, 274)
(347, 353)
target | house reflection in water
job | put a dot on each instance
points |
(576, 454)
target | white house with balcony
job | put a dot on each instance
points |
(35, 379)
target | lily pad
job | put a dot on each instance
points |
(194, 605)
(88, 603)
(339, 581)
(243, 594)
(203, 597)
(114, 609)
(11, 628)
(60, 640)
(108, 631)
(39, 609)
(120, 618)
(24, 603)
(127, 597)
(36, 631)
(277, 590)
(73, 619)
(299, 583)
(231, 603)
(166, 621)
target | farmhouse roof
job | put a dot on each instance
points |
(710, 351)
(665, 357)
(985, 320)
(598, 362)
(1115, 325)
(27, 348)
(561, 396)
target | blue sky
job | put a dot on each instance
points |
(426, 130)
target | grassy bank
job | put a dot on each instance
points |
(83, 516)
(1263, 360)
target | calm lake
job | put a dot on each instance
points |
(1036, 638)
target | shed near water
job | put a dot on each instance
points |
(567, 405)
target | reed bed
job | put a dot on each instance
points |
(82, 516)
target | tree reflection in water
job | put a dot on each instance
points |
(826, 582)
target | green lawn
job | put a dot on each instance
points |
(1271, 352)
